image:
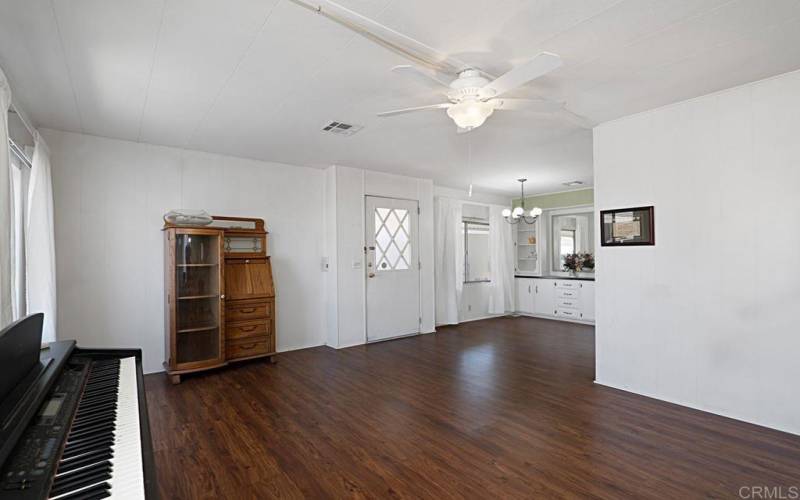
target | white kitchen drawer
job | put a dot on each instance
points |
(567, 284)
(570, 303)
(562, 293)
(568, 313)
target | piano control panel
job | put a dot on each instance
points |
(36, 453)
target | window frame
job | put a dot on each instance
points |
(465, 223)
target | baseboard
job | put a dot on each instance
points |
(161, 370)
(740, 418)
(554, 318)
(488, 316)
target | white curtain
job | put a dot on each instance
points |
(40, 254)
(449, 265)
(6, 208)
(581, 234)
(501, 263)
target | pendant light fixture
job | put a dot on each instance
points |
(519, 214)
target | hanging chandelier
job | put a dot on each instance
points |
(518, 214)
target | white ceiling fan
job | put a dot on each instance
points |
(473, 94)
(473, 97)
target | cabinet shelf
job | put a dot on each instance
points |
(198, 329)
(196, 265)
(195, 297)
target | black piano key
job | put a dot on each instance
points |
(84, 411)
(93, 411)
(98, 417)
(98, 431)
(79, 479)
(89, 427)
(96, 492)
(87, 445)
(84, 460)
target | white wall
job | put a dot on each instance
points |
(708, 316)
(109, 199)
(348, 187)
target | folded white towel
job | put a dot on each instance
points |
(184, 217)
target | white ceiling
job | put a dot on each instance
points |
(259, 78)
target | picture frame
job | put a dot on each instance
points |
(627, 227)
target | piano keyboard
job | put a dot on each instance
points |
(102, 457)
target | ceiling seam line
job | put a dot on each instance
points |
(152, 68)
(698, 52)
(66, 66)
(658, 31)
(346, 46)
(230, 77)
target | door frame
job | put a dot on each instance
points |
(366, 269)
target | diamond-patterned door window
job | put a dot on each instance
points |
(392, 242)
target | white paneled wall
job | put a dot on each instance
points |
(708, 316)
(110, 196)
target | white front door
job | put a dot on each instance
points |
(392, 268)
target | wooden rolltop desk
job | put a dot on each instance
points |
(219, 293)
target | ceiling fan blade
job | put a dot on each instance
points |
(426, 75)
(384, 36)
(540, 105)
(443, 105)
(536, 67)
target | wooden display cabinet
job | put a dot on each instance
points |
(219, 293)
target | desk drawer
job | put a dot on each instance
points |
(242, 311)
(567, 284)
(244, 348)
(247, 329)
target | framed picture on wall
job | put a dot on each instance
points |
(627, 227)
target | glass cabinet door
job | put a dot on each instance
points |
(198, 294)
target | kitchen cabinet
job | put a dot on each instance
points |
(569, 300)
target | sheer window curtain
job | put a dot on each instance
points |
(501, 263)
(6, 208)
(449, 265)
(40, 254)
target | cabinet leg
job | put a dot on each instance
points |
(273, 360)
(175, 379)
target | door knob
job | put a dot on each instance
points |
(371, 275)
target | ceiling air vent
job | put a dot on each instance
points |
(340, 128)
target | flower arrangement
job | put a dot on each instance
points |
(577, 262)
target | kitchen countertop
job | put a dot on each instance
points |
(549, 277)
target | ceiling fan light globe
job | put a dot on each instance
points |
(506, 212)
(470, 114)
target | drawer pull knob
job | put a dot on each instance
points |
(247, 328)
(248, 346)
(248, 310)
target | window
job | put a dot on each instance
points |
(20, 173)
(392, 242)
(476, 252)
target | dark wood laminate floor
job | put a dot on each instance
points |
(501, 408)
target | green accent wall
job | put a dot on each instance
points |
(558, 200)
